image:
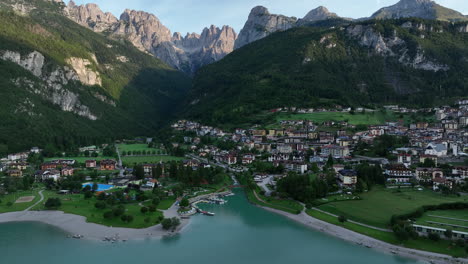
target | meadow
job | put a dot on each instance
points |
(8, 204)
(377, 206)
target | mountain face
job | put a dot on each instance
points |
(261, 24)
(425, 9)
(66, 85)
(91, 16)
(148, 34)
(412, 62)
(318, 14)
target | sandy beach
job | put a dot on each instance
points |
(77, 225)
(366, 241)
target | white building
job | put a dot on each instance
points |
(436, 149)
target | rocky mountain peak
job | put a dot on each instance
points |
(319, 13)
(426, 9)
(260, 24)
(90, 15)
(259, 11)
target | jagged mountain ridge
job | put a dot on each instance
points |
(261, 23)
(413, 62)
(148, 34)
(193, 51)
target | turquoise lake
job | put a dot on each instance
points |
(239, 233)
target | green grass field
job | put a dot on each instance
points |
(76, 204)
(377, 206)
(443, 246)
(368, 118)
(129, 160)
(457, 215)
(4, 208)
(80, 160)
(356, 119)
(135, 147)
(283, 205)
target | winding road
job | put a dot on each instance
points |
(38, 202)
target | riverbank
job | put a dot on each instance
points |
(353, 237)
(77, 225)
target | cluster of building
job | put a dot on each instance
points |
(299, 143)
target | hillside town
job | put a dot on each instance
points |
(432, 154)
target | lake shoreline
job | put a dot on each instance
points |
(356, 238)
(76, 225)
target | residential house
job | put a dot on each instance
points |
(398, 173)
(439, 182)
(48, 166)
(47, 174)
(347, 178)
(35, 150)
(18, 156)
(284, 148)
(91, 164)
(460, 171)
(428, 174)
(19, 166)
(295, 166)
(248, 158)
(107, 164)
(405, 159)
(423, 158)
(67, 171)
(335, 151)
(15, 173)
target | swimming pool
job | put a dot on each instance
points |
(101, 187)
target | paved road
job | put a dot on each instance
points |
(264, 186)
(38, 202)
(121, 168)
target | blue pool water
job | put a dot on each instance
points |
(101, 187)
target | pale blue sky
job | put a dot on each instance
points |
(193, 15)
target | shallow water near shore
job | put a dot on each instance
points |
(238, 233)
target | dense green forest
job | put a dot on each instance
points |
(144, 89)
(325, 66)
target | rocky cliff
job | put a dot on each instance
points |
(261, 24)
(394, 46)
(52, 84)
(426, 9)
(90, 15)
(317, 14)
(147, 33)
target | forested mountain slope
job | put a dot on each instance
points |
(407, 61)
(63, 83)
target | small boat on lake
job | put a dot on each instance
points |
(208, 213)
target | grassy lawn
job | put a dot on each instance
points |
(443, 247)
(80, 160)
(377, 206)
(166, 204)
(457, 215)
(135, 147)
(356, 119)
(76, 204)
(129, 160)
(4, 208)
(283, 205)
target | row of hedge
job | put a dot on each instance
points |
(420, 211)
